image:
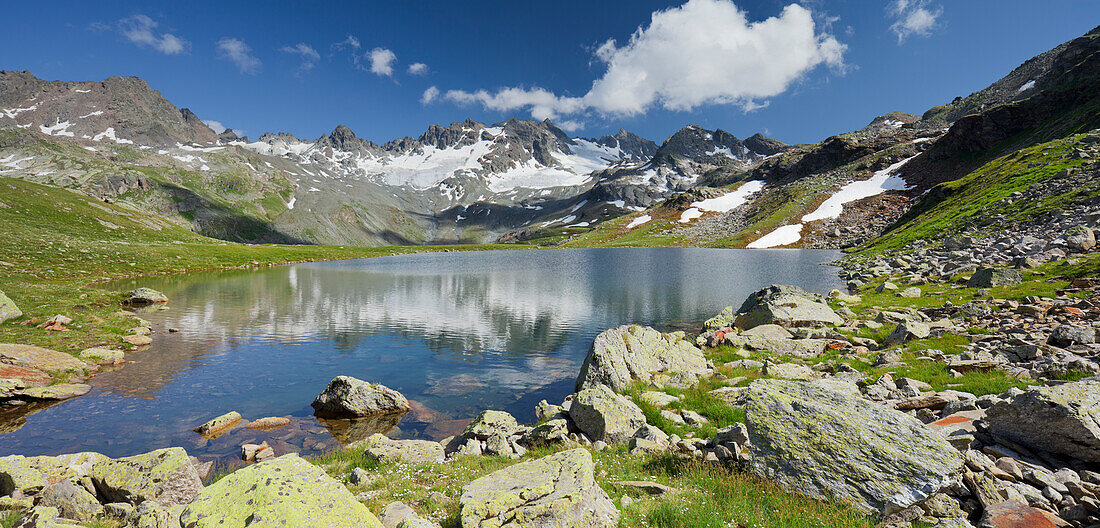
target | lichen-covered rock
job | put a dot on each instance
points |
(1062, 419)
(72, 501)
(143, 296)
(604, 415)
(381, 448)
(823, 440)
(786, 306)
(720, 321)
(102, 356)
(164, 476)
(908, 330)
(488, 423)
(992, 277)
(42, 359)
(622, 355)
(18, 472)
(346, 396)
(1080, 238)
(219, 424)
(8, 309)
(555, 491)
(43, 517)
(802, 348)
(283, 491)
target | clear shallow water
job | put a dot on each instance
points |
(455, 332)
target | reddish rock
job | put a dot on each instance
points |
(28, 375)
(1011, 514)
(38, 358)
(271, 422)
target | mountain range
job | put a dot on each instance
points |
(120, 140)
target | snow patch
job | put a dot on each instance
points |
(12, 112)
(690, 214)
(90, 114)
(882, 181)
(290, 204)
(59, 129)
(788, 234)
(1026, 86)
(638, 221)
(110, 134)
(730, 200)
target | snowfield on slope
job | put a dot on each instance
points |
(721, 204)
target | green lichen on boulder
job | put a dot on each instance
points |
(786, 306)
(383, 449)
(554, 491)
(348, 397)
(488, 423)
(823, 440)
(620, 356)
(283, 491)
(603, 415)
(1062, 419)
(164, 476)
(720, 321)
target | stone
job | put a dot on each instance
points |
(768, 331)
(165, 476)
(72, 501)
(1062, 419)
(658, 399)
(736, 433)
(787, 306)
(790, 371)
(346, 396)
(219, 425)
(1065, 335)
(488, 423)
(620, 356)
(256, 452)
(401, 515)
(822, 439)
(1080, 238)
(907, 331)
(379, 447)
(60, 391)
(8, 309)
(603, 415)
(911, 292)
(283, 491)
(554, 491)
(992, 277)
(1010, 514)
(550, 432)
(650, 488)
(102, 356)
(144, 296)
(544, 410)
(138, 340)
(267, 423)
(885, 287)
(38, 358)
(801, 348)
(720, 321)
(43, 517)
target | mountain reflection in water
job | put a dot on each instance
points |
(455, 332)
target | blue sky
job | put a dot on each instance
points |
(797, 74)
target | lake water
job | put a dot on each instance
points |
(455, 332)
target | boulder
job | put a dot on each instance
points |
(144, 296)
(1080, 238)
(554, 491)
(269, 422)
(787, 306)
(164, 476)
(102, 356)
(346, 396)
(907, 331)
(488, 423)
(1062, 419)
(72, 501)
(283, 491)
(622, 355)
(1066, 335)
(400, 515)
(8, 309)
(603, 415)
(43, 517)
(379, 447)
(768, 331)
(720, 321)
(38, 358)
(1011, 514)
(801, 348)
(822, 439)
(790, 371)
(993, 277)
(60, 391)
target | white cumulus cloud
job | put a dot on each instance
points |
(236, 51)
(381, 61)
(913, 17)
(702, 52)
(429, 96)
(418, 68)
(308, 55)
(141, 30)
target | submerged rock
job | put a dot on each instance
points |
(622, 355)
(219, 424)
(1063, 419)
(604, 415)
(283, 491)
(822, 439)
(786, 306)
(346, 396)
(556, 490)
